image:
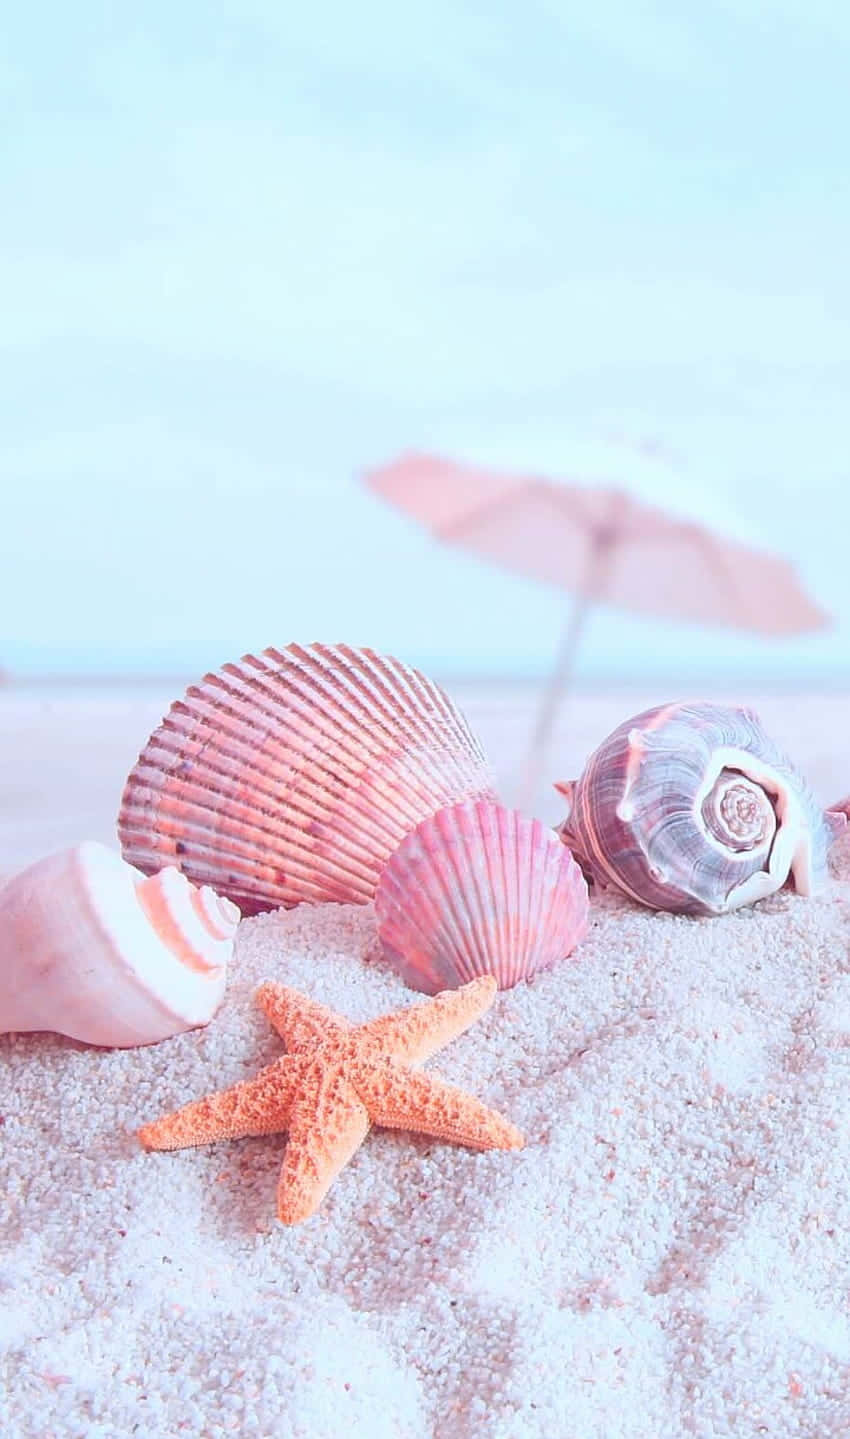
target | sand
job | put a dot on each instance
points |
(669, 1256)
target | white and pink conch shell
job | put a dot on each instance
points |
(294, 774)
(478, 889)
(92, 949)
(692, 808)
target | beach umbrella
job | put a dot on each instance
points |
(620, 529)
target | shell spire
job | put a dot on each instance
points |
(693, 808)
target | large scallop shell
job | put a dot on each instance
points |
(293, 775)
(693, 808)
(478, 889)
(91, 948)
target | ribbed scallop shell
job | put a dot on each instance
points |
(293, 775)
(693, 808)
(478, 889)
(91, 948)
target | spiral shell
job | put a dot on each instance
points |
(478, 889)
(692, 808)
(92, 949)
(293, 775)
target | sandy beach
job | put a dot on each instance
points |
(667, 1257)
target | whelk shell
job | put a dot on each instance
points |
(693, 808)
(478, 889)
(91, 948)
(294, 774)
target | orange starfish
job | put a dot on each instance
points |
(338, 1078)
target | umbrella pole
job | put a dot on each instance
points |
(564, 665)
(567, 649)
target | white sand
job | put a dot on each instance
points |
(669, 1256)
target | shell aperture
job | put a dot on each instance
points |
(693, 808)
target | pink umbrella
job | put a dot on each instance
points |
(644, 542)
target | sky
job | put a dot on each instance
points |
(250, 250)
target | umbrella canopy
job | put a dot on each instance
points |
(641, 540)
(647, 545)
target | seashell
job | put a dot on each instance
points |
(692, 808)
(91, 948)
(478, 889)
(293, 775)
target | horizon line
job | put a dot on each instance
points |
(811, 680)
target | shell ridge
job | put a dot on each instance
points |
(507, 938)
(430, 702)
(293, 693)
(478, 889)
(292, 699)
(189, 811)
(485, 880)
(536, 875)
(453, 874)
(295, 775)
(447, 935)
(553, 873)
(252, 848)
(375, 700)
(450, 741)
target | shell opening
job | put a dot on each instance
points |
(787, 846)
(739, 813)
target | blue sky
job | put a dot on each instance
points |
(249, 249)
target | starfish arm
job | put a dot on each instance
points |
(327, 1125)
(400, 1098)
(261, 1105)
(415, 1033)
(300, 1022)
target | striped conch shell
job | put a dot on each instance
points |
(692, 808)
(92, 949)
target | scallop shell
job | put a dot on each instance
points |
(478, 889)
(693, 808)
(91, 948)
(293, 775)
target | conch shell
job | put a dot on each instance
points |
(692, 808)
(92, 949)
(292, 776)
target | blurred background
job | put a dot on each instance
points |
(250, 251)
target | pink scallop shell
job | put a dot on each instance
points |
(293, 775)
(479, 889)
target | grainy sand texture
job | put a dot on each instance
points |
(669, 1256)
